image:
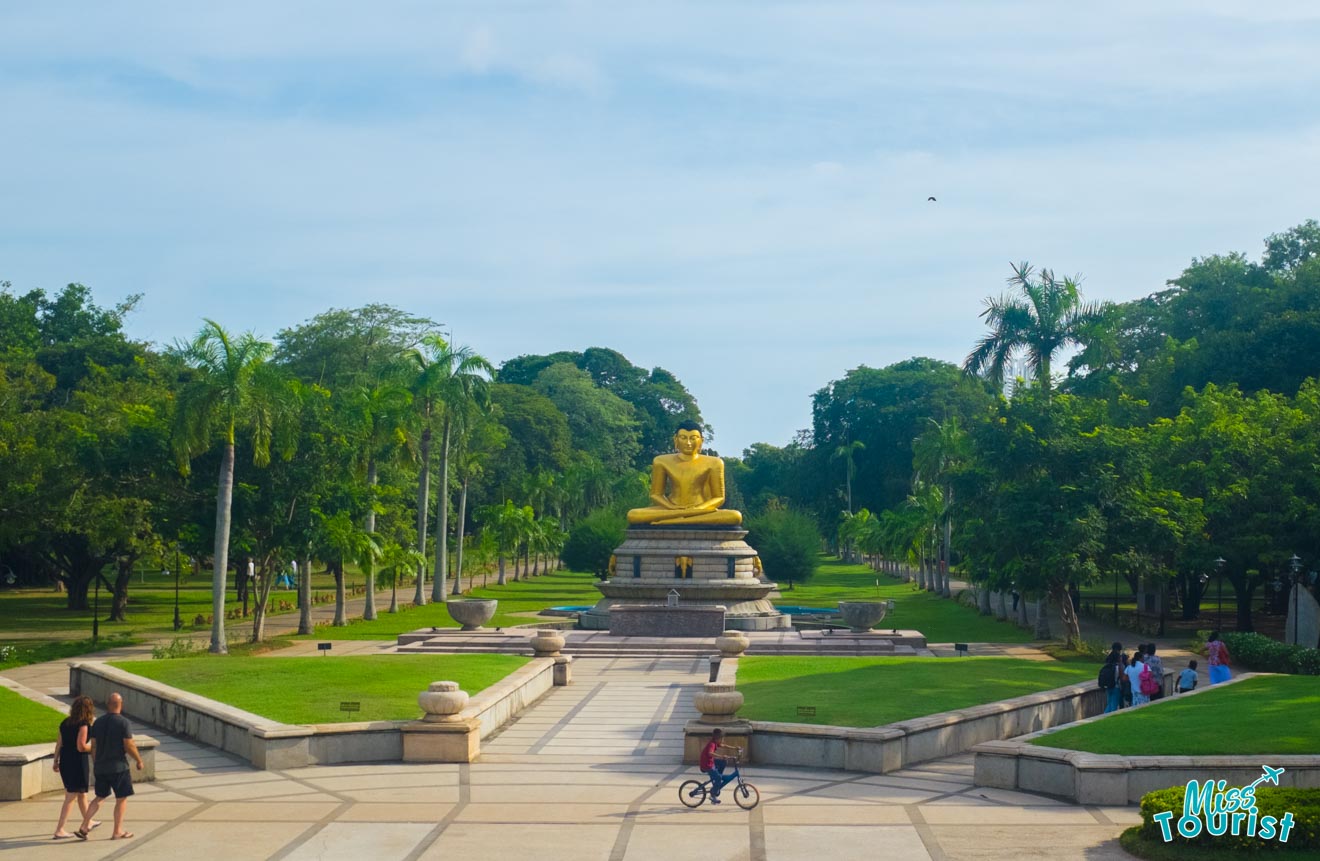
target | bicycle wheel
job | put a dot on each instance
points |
(692, 793)
(747, 796)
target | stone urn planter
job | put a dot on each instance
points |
(862, 616)
(732, 643)
(442, 701)
(472, 613)
(547, 643)
(718, 702)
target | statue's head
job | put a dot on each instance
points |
(687, 439)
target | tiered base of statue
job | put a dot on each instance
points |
(710, 567)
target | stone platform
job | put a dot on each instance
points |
(590, 644)
(708, 566)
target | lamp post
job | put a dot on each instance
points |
(178, 622)
(1203, 579)
(1116, 576)
(96, 611)
(1219, 575)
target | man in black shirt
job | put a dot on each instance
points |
(110, 741)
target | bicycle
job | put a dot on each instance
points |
(694, 792)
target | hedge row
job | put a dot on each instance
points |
(1264, 655)
(1303, 804)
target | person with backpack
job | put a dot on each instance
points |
(1135, 671)
(1108, 679)
(1156, 669)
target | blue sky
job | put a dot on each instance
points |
(735, 191)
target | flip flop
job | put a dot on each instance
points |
(62, 837)
(96, 823)
(80, 834)
(124, 836)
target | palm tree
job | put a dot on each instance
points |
(469, 467)
(233, 388)
(342, 541)
(935, 454)
(1048, 316)
(449, 381)
(845, 453)
(379, 410)
(396, 558)
(507, 523)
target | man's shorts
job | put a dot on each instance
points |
(120, 783)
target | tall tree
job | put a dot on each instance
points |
(231, 389)
(1048, 316)
(457, 380)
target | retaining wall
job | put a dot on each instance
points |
(899, 745)
(273, 745)
(1110, 779)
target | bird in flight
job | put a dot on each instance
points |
(931, 199)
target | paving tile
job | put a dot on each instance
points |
(266, 811)
(354, 841)
(251, 842)
(794, 842)
(396, 812)
(544, 842)
(696, 841)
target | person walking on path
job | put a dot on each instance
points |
(1134, 669)
(111, 744)
(1218, 656)
(71, 762)
(1109, 679)
(1156, 669)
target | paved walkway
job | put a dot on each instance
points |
(590, 772)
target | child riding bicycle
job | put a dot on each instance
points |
(711, 763)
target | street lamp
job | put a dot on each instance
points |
(96, 610)
(1203, 579)
(1219, 575)
(1116, 575)
(178, 622)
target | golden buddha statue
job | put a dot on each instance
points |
(686, 487)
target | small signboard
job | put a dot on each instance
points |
(350, 706)
(323, 647)
(806, 711)
(960, 647)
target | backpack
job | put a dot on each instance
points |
(1108, 675)
(1146, 679)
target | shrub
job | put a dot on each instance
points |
(592, 542)
(1304, 804)
(1259, 652)
(788, 543)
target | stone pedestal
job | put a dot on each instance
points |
(708, 566)
(447, 741)
(563, 672)
(657, 620)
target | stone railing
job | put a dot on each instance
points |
(273, 745)
(884, 748)
(28, 770)
(1111, 779)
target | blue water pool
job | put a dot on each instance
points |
(806, 611)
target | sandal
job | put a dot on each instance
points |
(124, 836)
(80, 834)
(62, 837)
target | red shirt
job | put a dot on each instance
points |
(707, 761)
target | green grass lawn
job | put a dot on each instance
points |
(941, 619)
(1264, 715)
(150, 605)
(525, 596)
(27, 722)
(865, 692)
(309, 690)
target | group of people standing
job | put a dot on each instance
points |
(109, 741)
(1138, 679)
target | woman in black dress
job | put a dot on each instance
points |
(72, 765)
